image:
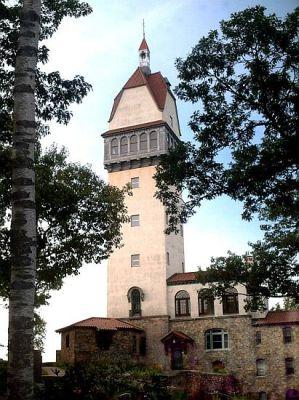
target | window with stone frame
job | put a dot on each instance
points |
(104, 339)
(182, 304)
(143, 141)
(153, 140)
(114, 147)
(133, 144)
(258, 337)
(230, 302)
(216, 339)
(289, 366)
(67, 340)
(124, 145)
(205, 302)
(261, 367)
(287, 334)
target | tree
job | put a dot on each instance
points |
(243, 79)
(23, 222)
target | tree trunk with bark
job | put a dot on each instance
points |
(23, 225)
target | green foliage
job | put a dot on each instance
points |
(39, 333)
(98, 382)
(289, 304)
(243, 79)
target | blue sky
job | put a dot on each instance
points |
(103, 48)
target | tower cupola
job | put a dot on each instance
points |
(144, 57)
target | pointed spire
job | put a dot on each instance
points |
(144, 53)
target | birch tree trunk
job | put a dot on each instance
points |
(23, 225)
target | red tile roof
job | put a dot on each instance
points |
(184, 278)
(279, 318)
(104, 324)
(155, 83)
(143, 45)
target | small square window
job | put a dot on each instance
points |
(135, 220)
(135, 182)
(261, 367)
(135, 260)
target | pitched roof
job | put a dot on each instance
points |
(155, 83)
(143, 45)
(279, 318)
(103, 324)
(176, 334)
(184, 278)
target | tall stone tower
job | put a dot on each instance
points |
(143, 125)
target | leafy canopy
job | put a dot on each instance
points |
(243, 79)
(79, 216)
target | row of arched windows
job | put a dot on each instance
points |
(230, 303)
(126, 145)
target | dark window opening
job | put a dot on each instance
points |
(289, 365)
(258, 337)
(136, 303)
(287, 334)
(67, 341)
(103, 340)
(134, 344)
(230, 302)
(205, 302)
(262, 396)
(182, 304)
(153, 140)
(142, 346)
(114, 147)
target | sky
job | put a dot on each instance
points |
(103, 47)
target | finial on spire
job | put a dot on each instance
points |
(143, 29)
(144, 53)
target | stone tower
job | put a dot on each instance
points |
(143, 125)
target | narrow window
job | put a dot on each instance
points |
(136, 303)
(287, 334)
(262, 396)
(135, 182)
(67, 341)
(123, 145)
(143, 141)
(142, 346)
(153, 140)
(166, 218)
(167, 258)
(135, 260)
(114, 147)
(133, 144)
(181, 230)
(135, 220)
(261, 367)
(230, 302)
(134, 344)
(183, 267)
(289, 364)
(182, 304)
(258, 337)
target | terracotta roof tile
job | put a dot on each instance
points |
(279, 318)
(143, 45)
(106, 324)
(176, 334)
(184, 278)
(155, 83)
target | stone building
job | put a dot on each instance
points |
(156, 310)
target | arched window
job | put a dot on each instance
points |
(230, 302)
(114, 147)
(153, 140)
(143, 141)
(205, 302)
(135, 296)
(182, 303)
(123, 145)
(133, 144)
(216, 339)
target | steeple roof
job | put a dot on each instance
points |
(143, 45)
(155, 83)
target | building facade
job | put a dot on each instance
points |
(172, 319)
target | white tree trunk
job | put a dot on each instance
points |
(23, 225)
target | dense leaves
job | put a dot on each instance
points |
(79, 216)
(244, 81)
